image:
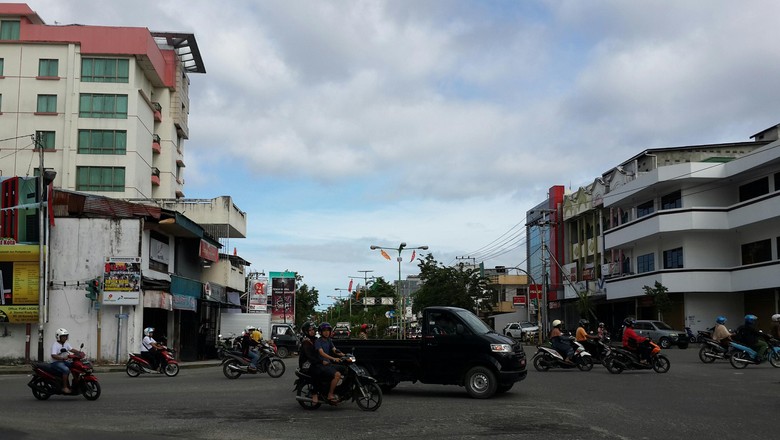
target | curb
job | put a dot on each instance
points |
(25, 369)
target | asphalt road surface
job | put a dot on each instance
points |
(691, 401)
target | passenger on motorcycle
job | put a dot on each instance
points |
(150, 349)
(775, 332)
(328, 356)
(59, 352)
(634, 342)
(247, 342)
(308, 359)
(558, 342)
(748, 334)
(257, 335)
(720, 333)
(602, 331)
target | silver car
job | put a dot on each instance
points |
(521, 330)
(661, 333)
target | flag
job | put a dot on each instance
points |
(414, 253)
(384, 254)
(349, 289)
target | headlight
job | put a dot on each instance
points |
(501, 348)
(675, 336)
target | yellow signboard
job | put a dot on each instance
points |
(19, 314)
(19, 270)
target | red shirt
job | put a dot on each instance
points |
(628, 335)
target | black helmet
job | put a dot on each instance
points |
(629, 322)
(325, 326)
(306, 326)
(584, 322)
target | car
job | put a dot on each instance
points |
(341, 332)
(661, 333)
(521, 330)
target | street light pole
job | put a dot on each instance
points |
(350, 302)
(539, 314)
(401, 247)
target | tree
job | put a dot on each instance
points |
(449, 286)
(305, 301)
(661, 301)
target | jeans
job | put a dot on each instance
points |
(61, 366)
(254, 356)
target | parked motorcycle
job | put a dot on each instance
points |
(742, 355)
(46, 381)
(691, 336)
(548, 357)
(137, 364)
(356, 385)
(621, 359)
(235, 364)
(711, 351)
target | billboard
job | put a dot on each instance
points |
(122, 281)
(19, 283)
(258, 296)
(282, 296)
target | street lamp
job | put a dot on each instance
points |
(541, 317)
(365, 282)
(350, 302)
(400, 249)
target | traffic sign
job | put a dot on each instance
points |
(390, 314)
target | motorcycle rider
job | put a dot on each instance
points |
(775, 332)
(558, 342)
(748, 334)
(584, 338)
(308, 359)
(363, 332)
(602, 331)
(150, 349)
(634, 342)
(59, 352)
(720, 333)
(247, 343)
(327, 353)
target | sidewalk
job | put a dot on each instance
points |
(25, 368)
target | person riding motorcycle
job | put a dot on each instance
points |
(59, 352)
(602, 331)
(247, 342)
(558, 342)
(775, 332)
(720, 333)
(748, 334)
(363, 332)
(584, 338)
(328, 356)
(150, 349)
(308, 359)
(634, 342)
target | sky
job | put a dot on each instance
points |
(337, 125)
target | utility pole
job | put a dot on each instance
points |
(41, 266)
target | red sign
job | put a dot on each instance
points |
(535, 291)
(208, 251)
(518, 300)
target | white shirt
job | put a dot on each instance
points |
(57, 348)
(147, 343)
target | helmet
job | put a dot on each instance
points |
(601, 324)
(557, 323)
(629, 322)
(249, 328)
(307, 326)
(776, 317)
(720, 319)
(751, 319)
(584, 322)
(60, 332)
(365, 326)
(148, 331)
(325, 326)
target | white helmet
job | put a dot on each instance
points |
(557, 322)
(249, 328)
(148, 331)
(776, 317)
(61, 332)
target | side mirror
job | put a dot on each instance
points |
(82, 346)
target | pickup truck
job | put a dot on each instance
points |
(454, 348)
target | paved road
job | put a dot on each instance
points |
(692, 401)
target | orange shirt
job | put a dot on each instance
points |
(582, 335)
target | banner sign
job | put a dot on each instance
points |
(19, 314)
(122, 281)
(282, 296)
(19, 275)
(258, 296)
(518, 300)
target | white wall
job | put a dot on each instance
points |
(701, 309)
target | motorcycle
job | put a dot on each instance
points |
(46, 381)
(691, 337)
(711, 351)
(548, 357)
(137, 364)
(742, 355)
(235, 364)
(356, 385)
(621, 359)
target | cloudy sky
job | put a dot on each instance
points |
(340, 124)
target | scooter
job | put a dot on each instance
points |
(711, 351)
(742, 355)
(136, 365)
(235, 364)
(621, 359)
(47, 381)
(356, 385)
(548, 357)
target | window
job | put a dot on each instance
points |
(1, 103)
(672, 201)
(93, 105)
(47, 104)
(757, 252)
(754, 189)
(9, 29)
(102, 142)
(644, 209)
(645, 263)
(45, 139)
(48, 67)
(110, 70)
(100, 179)
(2, 66)
(673, 258)
(777, 175)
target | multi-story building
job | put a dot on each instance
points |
(108, 106)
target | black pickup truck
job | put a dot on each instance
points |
(455, 348)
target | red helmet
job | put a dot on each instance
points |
(364, 327)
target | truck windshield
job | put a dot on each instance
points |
(473, 323)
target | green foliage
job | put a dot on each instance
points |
(661, 300)
(450, 286)
(374, 315)
(306, 299)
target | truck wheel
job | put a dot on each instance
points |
(282, 352)
(481, 383)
